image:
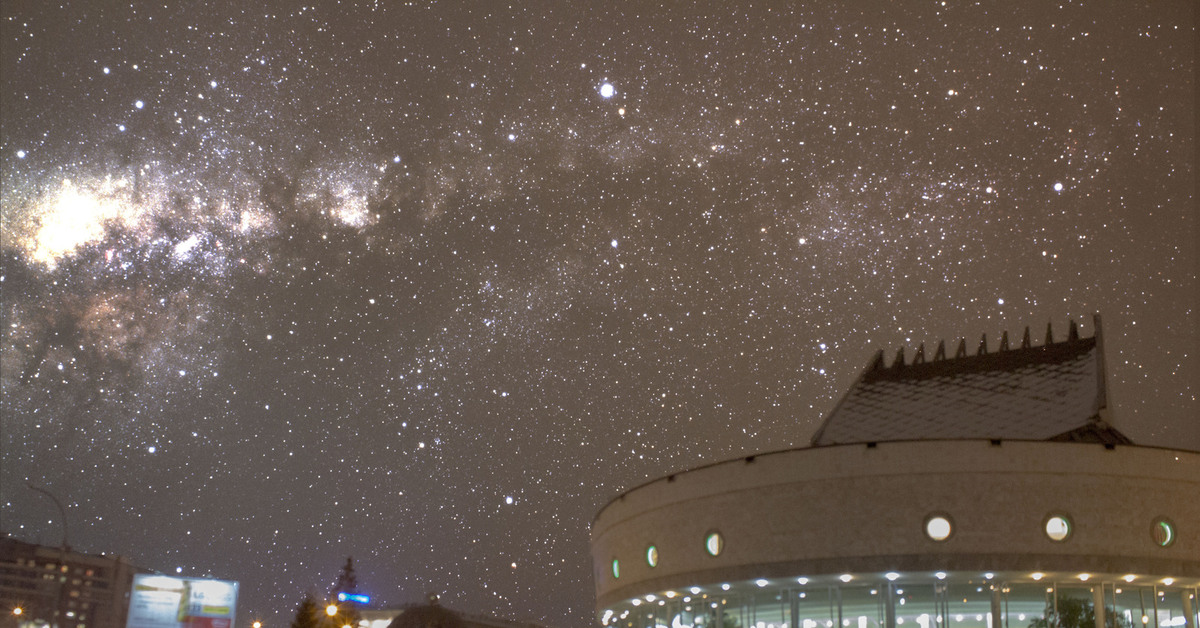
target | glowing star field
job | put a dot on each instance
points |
(427, 285)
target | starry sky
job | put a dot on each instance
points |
(428, 284)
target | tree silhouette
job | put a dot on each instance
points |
(307, 613)
(347, 582)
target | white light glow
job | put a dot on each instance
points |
(607, 90)
(1058, 528)
(845, 577)
(892, 576)
(938, 528)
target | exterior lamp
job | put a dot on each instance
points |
(331, 610)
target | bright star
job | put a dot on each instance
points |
(607, 90)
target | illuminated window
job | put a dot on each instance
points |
(652, 556)
(1163, 532)
(1057, 527)
(616, 568)
(714, 543)
(938, 527)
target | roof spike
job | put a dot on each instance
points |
(877, 363)
(982, 345)
(1049, 333)
(1025, 342)
(899, 363)
(962, 348)
(920, 357)
(1004, 341)
(1073, 333)
(941, 351)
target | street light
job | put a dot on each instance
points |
(62, 554)
(62, 514)
(331, 610)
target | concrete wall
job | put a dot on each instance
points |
(860, 508)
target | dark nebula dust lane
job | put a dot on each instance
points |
(427, 285)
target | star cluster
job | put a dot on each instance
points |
(428, 284)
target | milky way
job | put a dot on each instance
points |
(428, 285)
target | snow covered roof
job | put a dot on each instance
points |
(1054, 392)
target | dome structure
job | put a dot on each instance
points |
(984, 491)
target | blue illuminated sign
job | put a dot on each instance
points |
(357, 598)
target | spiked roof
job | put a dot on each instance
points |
(1053, 392)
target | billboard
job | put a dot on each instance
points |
(167, 602)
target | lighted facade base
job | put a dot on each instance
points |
(917, 600)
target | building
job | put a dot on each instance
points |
(964, 491)
(433, 615)
(55, 586)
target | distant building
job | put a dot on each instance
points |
(433, 615)
(57, 587)
(957, 491)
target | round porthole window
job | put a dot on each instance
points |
(714, 543)
(616, 568)
(1163, 532)
(1057, 527)
(652, 556)
(938, 527)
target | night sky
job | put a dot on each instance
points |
(427, 285)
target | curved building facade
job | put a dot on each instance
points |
(1072, 526)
